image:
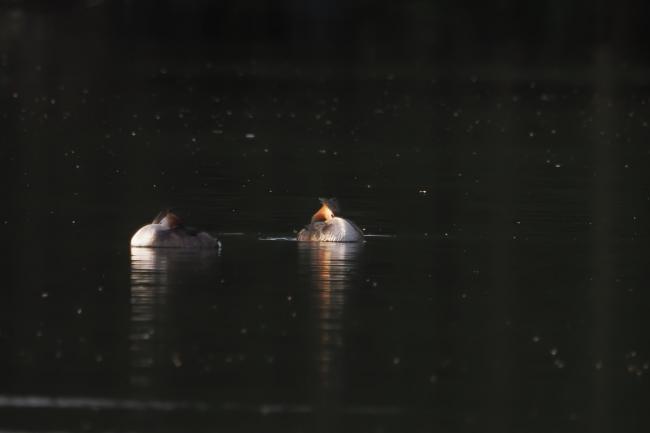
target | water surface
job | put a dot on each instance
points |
(503, 288)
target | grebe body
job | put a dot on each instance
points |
(325, 227)
(167, 231)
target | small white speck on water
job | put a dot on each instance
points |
(553, 351)
(559, 363)
(44, 295)
(79, 311)
(423, 192)
(631, 354)
(635, 369)
(531, 134)
(250, 136)
(558, 165)
(396, 360)
(536, 339)
(74, 221)
(289, 298)
(132, 133)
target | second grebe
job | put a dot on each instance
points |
(168, 231)
(326, 227)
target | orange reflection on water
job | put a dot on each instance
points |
(332, 267)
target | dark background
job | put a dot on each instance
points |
(356, 32)
(90, 88)
(501, 146)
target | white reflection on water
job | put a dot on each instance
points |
(97, 404)
(155, 272)
(332, 268)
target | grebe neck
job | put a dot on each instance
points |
(323, 214)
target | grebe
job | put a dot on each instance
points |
(326, 227)
(168, 231)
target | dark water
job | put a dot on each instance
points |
(504, 288)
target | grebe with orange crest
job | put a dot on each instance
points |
(168, 231)
(325, 226)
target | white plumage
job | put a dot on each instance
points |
(167, 232)
(325, 227)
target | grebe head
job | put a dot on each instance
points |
(331, 203)
(327, 210)
(167, 218)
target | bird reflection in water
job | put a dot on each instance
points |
(155, 275)
(332, 267)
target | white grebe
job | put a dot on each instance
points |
(326, 227)
(167, 231)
